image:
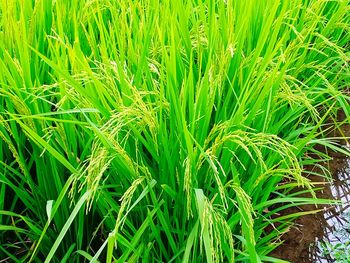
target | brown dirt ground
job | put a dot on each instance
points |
(300, 237)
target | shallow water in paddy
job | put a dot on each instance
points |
(334, 244)
(323, 237)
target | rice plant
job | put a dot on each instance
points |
(163, 131)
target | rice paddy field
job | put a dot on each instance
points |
(165, 131)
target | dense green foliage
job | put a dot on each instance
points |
(162, 131)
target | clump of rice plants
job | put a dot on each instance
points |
(163, 131)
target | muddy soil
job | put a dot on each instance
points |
(304, 242)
